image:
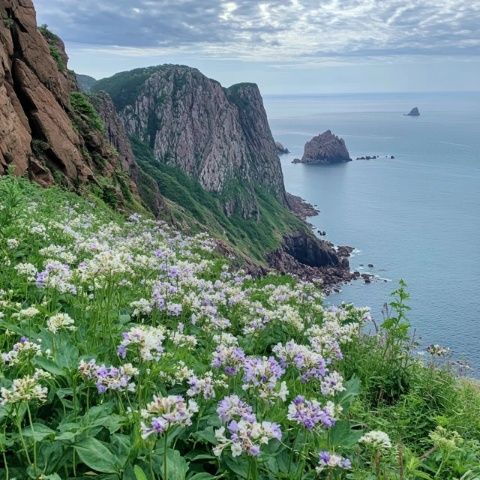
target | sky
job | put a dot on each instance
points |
(286, 46)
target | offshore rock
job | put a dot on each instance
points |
(414, 112)
(325, 149)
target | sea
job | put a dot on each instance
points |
(414, 217)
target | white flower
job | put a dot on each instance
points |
(376, 439)
(60, 321)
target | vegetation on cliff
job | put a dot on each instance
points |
(131, 351)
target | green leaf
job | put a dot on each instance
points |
(238, 465)
(207, 435)
(177, 465)
(49, 365)
(38, 432)
(97, 456)
(343, 435)
(139, 473)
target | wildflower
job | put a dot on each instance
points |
(331, 384)
(246, 437)
(25, 389)
(262, 374)
(445, 440)
(232, 407)
(141, 307)
(181, 340)
(204, 386)
(310, 363)
(60, 321)
(109, 378)
(57, 276)
(332, 460)
(377, 439)
(231, 358)
(310, 413)
(28, 270)
(22, 351)
(166, 412)
(29, 312)
(12, 243)
(148, 339)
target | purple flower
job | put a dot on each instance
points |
(310, 413)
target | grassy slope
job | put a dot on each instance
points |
(196, 209)
(398, 395)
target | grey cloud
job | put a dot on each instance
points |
(272, 28)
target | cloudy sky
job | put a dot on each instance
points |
(287, 46)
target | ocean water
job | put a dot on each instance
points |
(415, 217)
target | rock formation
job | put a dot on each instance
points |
(42, 134)
(325, 149)
(218, 136)
(281, 150)
(414, 112)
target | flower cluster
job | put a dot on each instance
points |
(149, 341)
(377, 440)
(22, 351)
(60, 321)
(262, 375)
(109, 378)
(245, 433)
(311, 414)
(166, 412)
(26, 389)
(327, 460)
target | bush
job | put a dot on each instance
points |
(81, 106)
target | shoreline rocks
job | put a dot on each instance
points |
(374, 157)
(300, 207)
(324, 149)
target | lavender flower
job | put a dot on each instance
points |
(311, 414)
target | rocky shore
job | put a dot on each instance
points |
(300, 207)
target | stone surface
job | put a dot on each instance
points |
(41, 135)
(218, 136)
(300, 207)
(325, 149)
(414, 112)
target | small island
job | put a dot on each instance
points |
(325, 149)
(414, 112)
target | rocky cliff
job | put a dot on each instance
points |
(218, 136)
(325, 149)
(49, 131)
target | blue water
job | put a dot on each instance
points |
(415, 217)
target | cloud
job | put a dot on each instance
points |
(269, 30)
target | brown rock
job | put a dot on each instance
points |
(325, 149)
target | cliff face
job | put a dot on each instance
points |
(48, 130)
(325, 149)
(218, 136)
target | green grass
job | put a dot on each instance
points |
(202, 210)
(82, 106)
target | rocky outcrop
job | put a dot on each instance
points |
(309, 258)
(281, 150)
(218, 136)
(300, 207)
(325, 149)
(42, 134)
(414, 112)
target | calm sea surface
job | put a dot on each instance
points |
(415, 217)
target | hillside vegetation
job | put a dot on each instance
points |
(132, 351)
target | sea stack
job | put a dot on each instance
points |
(414, 112)
(325, 149)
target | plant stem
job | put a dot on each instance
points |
(165, 465)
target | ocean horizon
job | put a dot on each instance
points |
(414, 217)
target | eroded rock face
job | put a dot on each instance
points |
(218, 136)
(41, 134)
(325, 149)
